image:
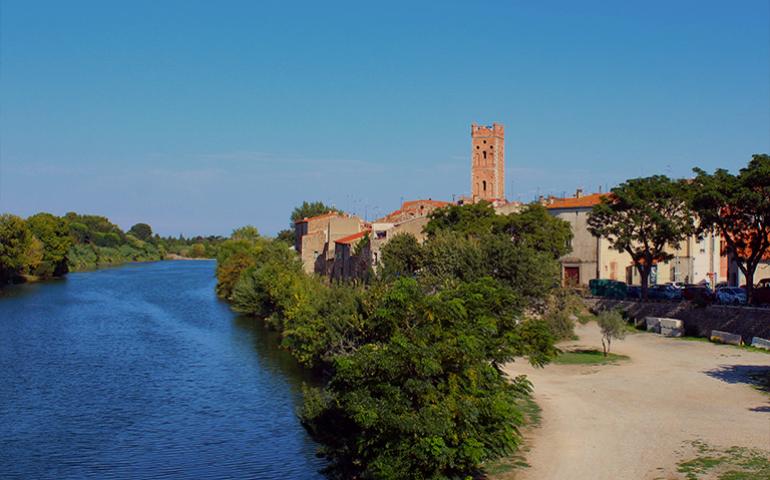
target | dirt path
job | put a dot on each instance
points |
(630, 421)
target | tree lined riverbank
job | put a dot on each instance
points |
(413, 353)
(46, 246)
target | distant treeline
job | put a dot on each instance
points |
(45, 245)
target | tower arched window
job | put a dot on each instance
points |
(484, 185)
(485, 154)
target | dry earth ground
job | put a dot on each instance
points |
(637, 419)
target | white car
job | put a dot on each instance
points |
(731, 296)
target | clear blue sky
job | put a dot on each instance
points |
(202, 116)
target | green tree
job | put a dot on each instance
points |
(235, 256)
(142, 231)
(643, 217)
(738, 208)
(309, 209)
(472, 219)
(286, 236)
(15, 243)
(248, 233)
(197, 250)
(53, 232)
(427, 399)
(612, 326)
(535, 228)
(402, 255)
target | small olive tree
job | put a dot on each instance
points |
(612, 326)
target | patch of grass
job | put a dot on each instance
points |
(587, 357)
(735, 463)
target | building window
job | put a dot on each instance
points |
(484, 185)
(485, 154)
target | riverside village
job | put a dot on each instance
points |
(437, 240)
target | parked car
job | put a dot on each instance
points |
(764, 283)
(601, 287)
(675, 284)
(731, 296)
(698, 293)
(664, 292)
(634, 292)
(761, 295)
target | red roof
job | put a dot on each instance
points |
(319, 217)
(411, 205)
(352, 238)
(414, 203)
(585, 201)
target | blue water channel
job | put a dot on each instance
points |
(141, 372)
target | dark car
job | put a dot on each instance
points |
(664, 292)
(761, 295)
(698, 293)
(634, 292)
(601, 287)
(731, 296)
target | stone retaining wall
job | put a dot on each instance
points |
(747, 322)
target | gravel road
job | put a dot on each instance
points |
(634, 420)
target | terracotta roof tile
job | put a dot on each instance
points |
(409, 206)
(586, 201)
(319, 217)
(352, 238)
(414, 203)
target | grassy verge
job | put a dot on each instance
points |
(587, 357)
(506, 468)
(735, 463)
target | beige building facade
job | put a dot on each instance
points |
(695, 260)
(314, 238)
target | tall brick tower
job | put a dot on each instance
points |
(488, 162)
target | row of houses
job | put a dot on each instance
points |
(698, 259)
(343, 246)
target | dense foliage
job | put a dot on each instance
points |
(413, 357)
(646, 218)
(46, 246)
(738, 208)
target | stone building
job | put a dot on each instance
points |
(411, 218)
(695, 259)
(488, 163)
(314, 238)
(352, 256)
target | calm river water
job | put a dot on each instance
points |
(140, 372)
